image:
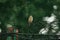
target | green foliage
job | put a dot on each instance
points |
(16, 12)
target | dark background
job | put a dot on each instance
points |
(17, 12)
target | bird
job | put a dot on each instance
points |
(30, 19)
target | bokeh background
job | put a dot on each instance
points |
(17, 12)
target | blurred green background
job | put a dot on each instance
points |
(17, 12)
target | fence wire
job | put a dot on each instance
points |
(26, 36)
